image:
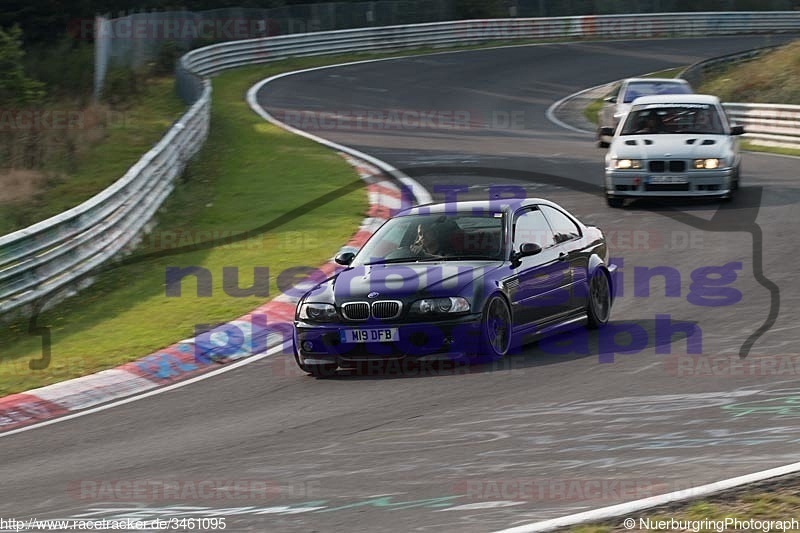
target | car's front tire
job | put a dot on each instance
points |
(601, 143)
(495, 328)
(598, 309)
(615, 202)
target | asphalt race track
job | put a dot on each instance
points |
(553, 430)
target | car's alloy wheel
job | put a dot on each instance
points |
(496, 323)
(599, 307)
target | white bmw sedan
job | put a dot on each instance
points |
(673, 145)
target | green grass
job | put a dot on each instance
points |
(128, 135)
(760, 502)
(249, 173)
(770, 78)
(747, 145)
(592, 110)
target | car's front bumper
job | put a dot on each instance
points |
(629, 184)
(452, 339)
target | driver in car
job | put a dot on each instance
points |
(432, 239)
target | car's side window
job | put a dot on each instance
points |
(531, 226)
(564, 229)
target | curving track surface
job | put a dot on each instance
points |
(555, 429)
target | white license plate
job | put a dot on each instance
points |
(667, 179)
(369, 335)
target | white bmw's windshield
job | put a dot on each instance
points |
(673, 118)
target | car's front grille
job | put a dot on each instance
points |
(383, 310)
(677, 166)
(662, 166)
(386, 309)
(356, 310)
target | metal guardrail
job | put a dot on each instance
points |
(768, 124)
(49, 256)
(54, 254)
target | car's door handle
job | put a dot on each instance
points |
(563, 256)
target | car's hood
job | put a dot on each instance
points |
(402, 280)
(672, 146)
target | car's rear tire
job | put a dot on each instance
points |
(598, 308)
(615, 202)
(495, 328)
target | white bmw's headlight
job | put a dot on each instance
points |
(625, 164)
(706, 163)
(317, 312)
(431, 306)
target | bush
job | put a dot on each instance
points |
(66, 68)
(167, 57)
(16, 88)
(122, 84)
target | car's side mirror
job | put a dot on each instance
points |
(526, 249)
(609, 132)
(737, 130)
(344, 258)
(611, 99)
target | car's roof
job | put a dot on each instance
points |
(500, 205)
(679, 81)
(676, 99)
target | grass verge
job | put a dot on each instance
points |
(771, 78)
(773, 500)
(127, 135)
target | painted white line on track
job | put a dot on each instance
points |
(629, 508)
(550, 113)
(130, 399)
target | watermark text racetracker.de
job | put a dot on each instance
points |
(114, 524)
(184, 490)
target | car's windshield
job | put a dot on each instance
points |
(673, 118)
(645, 88)
(435, 237)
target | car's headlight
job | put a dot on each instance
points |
(317, 312)
(706, 163)
(433, 306)
(627, 163)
